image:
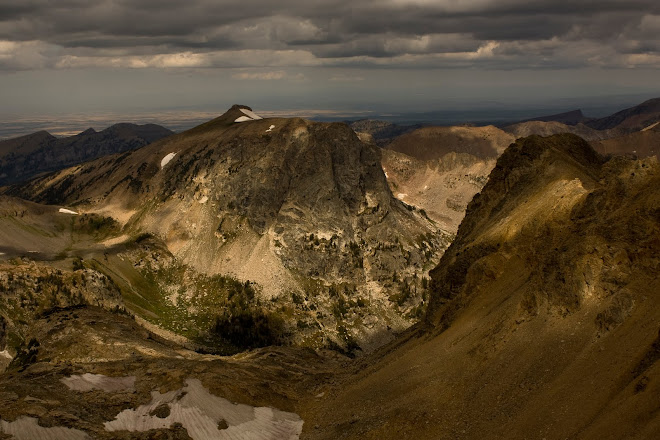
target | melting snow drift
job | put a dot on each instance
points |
(270, 128)
(68, 211)
(651, 126)
(208, 417)
(249, 116)
(88, 382)
(27, 428)
(167, 159)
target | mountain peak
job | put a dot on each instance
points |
(238, 107)
(87, 132)
(572, 117)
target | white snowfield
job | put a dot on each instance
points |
(167, 159)
(270, 128)
(89, 382)
(27, 428)
(68, 211)
(208, 417)
(249, 116)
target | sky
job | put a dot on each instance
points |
(94, 56)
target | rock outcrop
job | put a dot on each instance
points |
(301, 208)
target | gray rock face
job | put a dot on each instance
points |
(301, 208)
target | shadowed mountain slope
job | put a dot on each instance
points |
(27, 156)
(630, 119)
(569, 118)
(542, 128)
(430, 143)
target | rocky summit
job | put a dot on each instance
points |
(300, 211)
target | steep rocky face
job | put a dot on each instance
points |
(439, 169)
(544, 315)
(27, 156)
(303, 209)
(442, 188)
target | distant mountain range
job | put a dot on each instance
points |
(27, 156)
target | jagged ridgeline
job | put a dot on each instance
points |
(298, 212)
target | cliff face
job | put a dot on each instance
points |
(574, 223)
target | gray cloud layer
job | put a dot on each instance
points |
(501, 34)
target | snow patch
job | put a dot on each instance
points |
(651, 126)
(401, 196)
(88, 382)
(250, 114)
(68, 211)
(270, 129)
(27, 428)
(204, 199)
(167, 159)
(202, 414)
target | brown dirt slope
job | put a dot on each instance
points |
(544, 318)
(548, 128)
(642, 143)
(430, 143)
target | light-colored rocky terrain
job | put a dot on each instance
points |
(439, 169)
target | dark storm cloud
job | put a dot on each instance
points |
(504, 33)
